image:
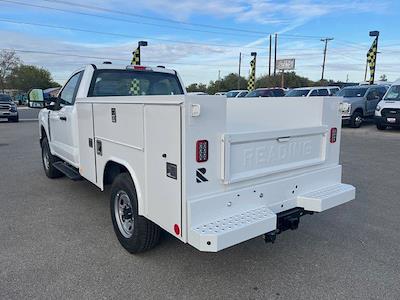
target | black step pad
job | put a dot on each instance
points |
(69, 171)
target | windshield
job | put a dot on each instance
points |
(243, 94)
(5, 98)
(352, 92)
(393, 94)
(231, 94)
(260, 93)
(298, 93)
(133, 83)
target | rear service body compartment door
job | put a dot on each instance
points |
(255, 154)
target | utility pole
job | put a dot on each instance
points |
(240, 64)
(219, 79)
(326, 40)
(270, 55)
(276, 49)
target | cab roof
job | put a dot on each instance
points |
(110, 66)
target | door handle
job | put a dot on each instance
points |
(63, 118)
(283, 139)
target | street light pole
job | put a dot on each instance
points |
(141, 44)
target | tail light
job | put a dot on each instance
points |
(202, 151)
(333, 135)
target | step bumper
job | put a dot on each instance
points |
(328, 197)
(230, 231)
(220, 234)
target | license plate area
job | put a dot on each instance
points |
(391, 120)
(252, 155)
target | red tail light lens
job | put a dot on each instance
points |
(333, 135)
(202, 151)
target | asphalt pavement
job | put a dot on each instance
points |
(57, 240)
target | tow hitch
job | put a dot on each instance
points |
(286, 220)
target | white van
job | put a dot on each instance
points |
(387, 113)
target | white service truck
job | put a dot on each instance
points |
(211, 172)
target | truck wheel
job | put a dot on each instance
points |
(48, 159)
(135, 233)
(356, 119)
(381, 127)
(14, 119)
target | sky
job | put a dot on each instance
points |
(202, 39)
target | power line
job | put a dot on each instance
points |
(120, 20)
(123, 35)
(236, 33)
(171, 20)
(112, 58)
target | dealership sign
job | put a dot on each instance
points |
(285, 64)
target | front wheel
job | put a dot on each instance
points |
(48, 160)
(14, 119)
(381, 127)
(356, 119)
(135, 233)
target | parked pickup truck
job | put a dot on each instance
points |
(359, 103)
(211, 172)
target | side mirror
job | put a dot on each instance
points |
(51, 103)
(36, 98)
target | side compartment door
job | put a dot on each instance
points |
(87, 156)
(163, 166)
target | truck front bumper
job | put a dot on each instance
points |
(387, 121)
(8, 114)
(260, 217)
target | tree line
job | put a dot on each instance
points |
(234, 82)
(14, 74)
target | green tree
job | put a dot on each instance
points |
(292, 80)
(196, 87)
(26, 77)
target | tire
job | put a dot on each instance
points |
(14, 119)
(356, 119)
(381, 127)
(48, 160)
(135, 233)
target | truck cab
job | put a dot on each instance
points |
(211, 172)
(387, 112)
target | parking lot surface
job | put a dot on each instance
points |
(57, 240)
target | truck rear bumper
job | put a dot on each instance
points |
(220, 233)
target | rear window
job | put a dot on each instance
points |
(323, 92)
(231, 94)
(298, 93)
(352, 92)
(5, 98)
(133, 83)
(279, 93)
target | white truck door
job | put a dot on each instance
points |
(163, 166)
(62, 120)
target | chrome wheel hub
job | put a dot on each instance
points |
(124, 213)
(358, 120)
